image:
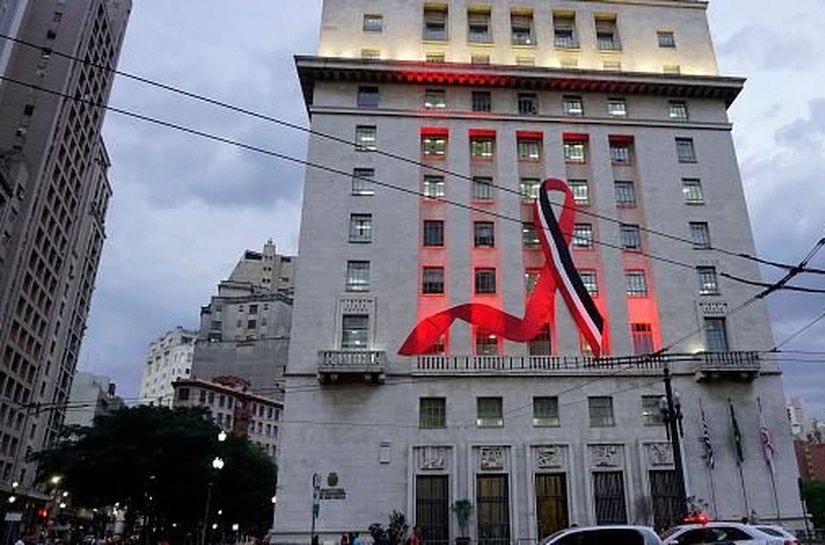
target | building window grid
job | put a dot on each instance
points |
(432, 280)
(358, 276)
(601, 411)
(484, 234)
(574, 151)
(485, 281)
(362, 181)
(700, 235)
(631, 236)
(479, 29)
(685, 150)
(529, 236)
(366, 138)
(546, 412)
(482, 147)
(620, 153)
(373, 23)
(435, 99)
(483, 189)
(607, 36)
(360, 228)
(528, 104)
(528, 149)
(573, 106)
(651, 415)
(354, 332)
(529, 189)
(489, 411)
(434, 233)
(432, 413)
(435, 24)
(666, 38)
(482, 101)
(434, 147)
(636, 283)
(642, 339)
(678, 110)
(368, 97)
(521, 28)
(708, 280)
(433, 187)
(591, 282)
(616, 107)
(581, 192)
(564, 31)
(716, 336)
(625, 194)
(583, 236)
(692, 191)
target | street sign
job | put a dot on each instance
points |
(13, 517)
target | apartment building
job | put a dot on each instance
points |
(168, 359)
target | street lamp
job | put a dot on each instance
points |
(218, 463)
(55, 480)
(670, 405)
(222, 436)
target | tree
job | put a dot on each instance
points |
(814, 494)
(158, 462)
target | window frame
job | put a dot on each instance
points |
(571, 146)
(441, 20)
(364, 327)
(373, 17)
(525, 148)
(576, 186)
(636, 283)
(480, 239)
(552, 417)
(360, 228)
(700, 227)
(478, 105)
(365, 134)
(520, 38)
(625, 193)
(573, 105)
(666, 39)
(686, 150)
(429, 286)
(690, 188)
(482, 148)
(641, 338)
(580, 242)
(612, 112)
(484, 281)
(433, 417)
(489, 412)
(527, 103)
(361, 181)
(707, 272)
(629, 233)
(430, 182)
(484, 189)
(474, 19)
(435, 99)
(432, 233)
(358, 276)
(676, 109)
(605, 420)
(434, 146)
(369, 96)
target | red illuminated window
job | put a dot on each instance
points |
(531, 278)
(485, 281)
(590, 281)
(642, 337)
(541, 345)
(433, 233)
(636, 283)
(482, 188)
(432, 280)
(484, 234)
(486, 344)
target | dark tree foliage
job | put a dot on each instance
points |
(814, 494)
(158, 461)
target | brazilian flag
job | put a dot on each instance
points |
(737, 437)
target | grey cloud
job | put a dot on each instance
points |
(768, 49)
(805, 132)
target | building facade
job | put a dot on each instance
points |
(169, 358)
(244, 330)
(91, 396)
(621, 99)
(234, 408)
(53, 200)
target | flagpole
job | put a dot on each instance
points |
(737, 442)
(769, 461)
(708, 465)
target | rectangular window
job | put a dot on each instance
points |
(370, 54)
(433, 233)
(354, 331)
(482, 147)
(591, 282)
(616, 107)
(361, 181)
(685, 150)
(358, 275)
(529, 237)
(366, 138)
(625, 194)
(583, 236)
(574, 151)
(482, 101)
(525, 60)
(434, 146)
(432, 507)
(665, 497)
(529, 189)
(551, 503)
(482, 188)
(529, 149)
(432, 280)
(484, 234)
(612, 66)
(642, 337)
(480, 59)
(692, 191)
(478, 27)
(541, 344)
(528, 104)
(708, 282)
(360, 228)
(607, 35)
(435, 58)
(435, 99)
(716, 336)
(601, 412)
(573, 106)
(433, 187)
(432, 412)
(489, 412)
(493, 509)
(636, 283)
(373, 23)
(672, 69)
(435, 24)
(651, 415)
(620, 153)
(485, 281)
(546, 411)
(631, 238)
(531, 278)
(581, 191)
(486, 343)
(678, 110)
(521, 26)
(700, 235)
(564, 30)
(183, 394)
(609, 498)
(666, 38)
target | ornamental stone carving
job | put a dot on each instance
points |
(492, 458)
(432, 458)
(660, 454)
(549, 457)
(363, 305)
(606, 455)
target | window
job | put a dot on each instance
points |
(485, 281)
(373, 23)
(370, 54)
(529, 237)
(525, 60)
(573, 106)
(716, 337)
(358, 275)
(486, 343)
(692, 191)
(361, 181)
(545, 411)
(708, 282)
(612, 66)
(631, 237)
(574, 151)
(591, 282)
(366, 138)
(678, 110)
(529, 149)
(432, 412)
(435, 23)
(478, 27)
(620, 153)
(521, 26)
(642, 337)
(551, 507)
(625, 194)
(672, 69)
(541, 344)
(433, 187)
(28, 110)
(482, 189)
(360, 228)
(354, 331)
(432, 280)
(528, 104)
(666, 38)
(583, 236)
(432, 507)
(482, 101)
(609, 500)
(183, 394)
(616, 107)
(435, 99)
(607, 36)
(581, 191)
(564, 30)
(636, 283)
(433, 233)
(484, 234)
(531, 278)
(651, 415)
(435, 58)
(529, 189)
(685, 150)
(434, 146)
(489, 412)
(493, 509)
(253, 309)
(482, 147)
(601, 412)
(700, 235)
(479, 59)
(252, 324)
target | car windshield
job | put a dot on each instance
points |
(770, 531)
(670, 532)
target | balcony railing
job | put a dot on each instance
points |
(335, 365)
(727, 365)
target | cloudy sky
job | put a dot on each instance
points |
(184, 209)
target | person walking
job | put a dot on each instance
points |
(357, 539)
(415, 537)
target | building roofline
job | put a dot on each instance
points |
(313, 68)
(247, 394)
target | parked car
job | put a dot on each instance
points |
(722, 533)
(778, 531)
(604, 535)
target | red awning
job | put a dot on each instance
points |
(435, 131)
(576, 136)
(529, 135)
(482, 133)
(621, 138)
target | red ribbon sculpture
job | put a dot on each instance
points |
(558, 272)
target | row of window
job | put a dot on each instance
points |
(526, 103)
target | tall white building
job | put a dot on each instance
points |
(621, 99)
(169, 358)
(91, 396)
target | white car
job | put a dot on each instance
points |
(721, 533)
(604, 535)
(778, 531)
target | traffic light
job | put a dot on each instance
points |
(43, 513)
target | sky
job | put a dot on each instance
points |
(185, 209)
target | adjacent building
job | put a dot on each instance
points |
(91, 396)
(622, 100)
(54, 193)
(169, 358)
(796, 416)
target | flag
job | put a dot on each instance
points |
(768, 447)
(710, 460)
(737, 437)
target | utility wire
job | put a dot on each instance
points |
(799, 332)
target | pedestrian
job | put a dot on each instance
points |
(357, 539)
(344, 539)
(415, 537)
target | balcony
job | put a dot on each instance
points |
(721, 366)
(351, 366)
(540, 365)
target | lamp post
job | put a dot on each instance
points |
(670, 405)
(217, 465)
(274, 501)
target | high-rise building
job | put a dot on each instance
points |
(796, 417)
(461, 342)
(91, 396)
(244, 329)
(53, 197)
(168, 359)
